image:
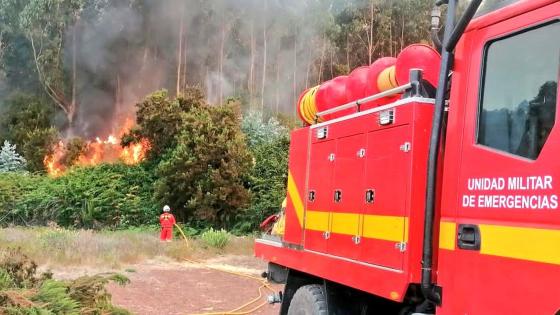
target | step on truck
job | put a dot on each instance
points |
(428, 183)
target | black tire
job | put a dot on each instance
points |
(309, 300)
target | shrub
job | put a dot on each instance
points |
(260, 130)
(27, 123)
(10, 161)
(200, 156)
(269, 144)
(115, 195)
(22, 291)
(267, 183)
(215, 238)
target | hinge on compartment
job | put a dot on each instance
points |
(401, 246)
(405, 147)
(322, 133)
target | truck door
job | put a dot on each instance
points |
(500, 235)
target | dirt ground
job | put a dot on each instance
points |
(183, 288)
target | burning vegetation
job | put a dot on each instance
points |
(76, 151)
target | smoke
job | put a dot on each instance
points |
(260, 51)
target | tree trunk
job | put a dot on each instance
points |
(295, 92)
(402, 33)
(277, 86)
(332, 63)
(370, 35)
(252, 63)
(73, 105)
(322, 59)
(52, 93)
(221, 62)
(180, 53)
(264, 58)
(185, 83)
(391, 36)
(118, 102)
(348, 52)
(307, 74)
(118, 94)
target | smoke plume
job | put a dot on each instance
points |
(257, 50)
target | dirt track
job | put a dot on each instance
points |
(183, 288)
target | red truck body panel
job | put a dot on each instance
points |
(517, 269)
(380, 237)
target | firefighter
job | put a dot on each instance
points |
(166, 220)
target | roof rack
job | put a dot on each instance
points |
(413, 86)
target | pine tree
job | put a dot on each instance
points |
(10, 160)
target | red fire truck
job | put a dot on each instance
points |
(431, 196)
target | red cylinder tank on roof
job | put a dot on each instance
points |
(383, 74)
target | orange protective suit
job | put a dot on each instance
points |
(166, 220)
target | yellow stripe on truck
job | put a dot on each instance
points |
(345, 223)
(447, 235)
(540, 245)
(295, 198)
(317, 221)
(388, 228)
(523, 243)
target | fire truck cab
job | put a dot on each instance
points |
(441, 202)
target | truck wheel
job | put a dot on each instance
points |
(309, 300)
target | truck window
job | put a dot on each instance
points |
(518, 97)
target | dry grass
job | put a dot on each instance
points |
(56, 247)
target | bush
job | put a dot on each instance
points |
(269, 144)
(260, 130)
(215, 238)
(200, 156)
(114, 196)
(22, 291)
(27, 123)
(10, 161)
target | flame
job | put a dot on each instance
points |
(135, 153)
(52, 161)
(99, 151)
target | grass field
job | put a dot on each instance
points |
(55, 247)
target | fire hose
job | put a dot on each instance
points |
(243, 309)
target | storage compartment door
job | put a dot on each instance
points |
(347, 196)
(317, 214)
(387, 175)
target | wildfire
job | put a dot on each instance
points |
(97, 151)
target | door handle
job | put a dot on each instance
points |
(370, 195)
(468, 237)
(337, 195)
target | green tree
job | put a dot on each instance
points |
(267, 182)
(15, 50)
(10, 161)
(45, 23)
(158, 118)
(258, 130)
(203, 176)
(199, 153)
(26, 122)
